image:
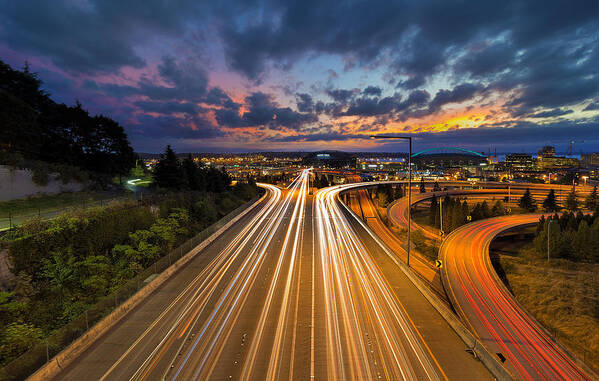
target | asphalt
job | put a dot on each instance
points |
(270, 300)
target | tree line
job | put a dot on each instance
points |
(454, 212)
(572, 236)
(174, 174)
(37, 128)
(550, 204)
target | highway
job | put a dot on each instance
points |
(231, 313)
(483, 302)
(491, 311)
(420, 265)
(296, 289)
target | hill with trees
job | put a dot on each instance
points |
(36, 128)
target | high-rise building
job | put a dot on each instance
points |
(547, 151)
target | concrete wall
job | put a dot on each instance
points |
(17, 183)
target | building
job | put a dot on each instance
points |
(520, 162)
(547, 151)
(557, 162)
(590, 159)
(447, 157)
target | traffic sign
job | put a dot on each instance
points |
(438, 264)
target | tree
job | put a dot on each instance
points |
(422, 187)
(572, 201)
(498, 209)
(436, 187)
(398, 192)
(168, 172)
(550, 204)
(527, 202)
(592, 200)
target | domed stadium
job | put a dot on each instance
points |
(447, 157)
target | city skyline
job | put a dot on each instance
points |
(278, 76)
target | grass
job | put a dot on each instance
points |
(562, 295)
(33, 204)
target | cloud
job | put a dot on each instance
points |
(551, 113)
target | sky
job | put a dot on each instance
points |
(238, 76)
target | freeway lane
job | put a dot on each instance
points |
(289, 292)
(194, 320)
(369, 332)
(491, 311)
(422, 266)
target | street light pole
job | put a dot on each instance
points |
(408, 138)
(549, 222)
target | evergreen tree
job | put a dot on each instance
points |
(592, 200)
(168, 172)
(484, 210)
(550, 204)
(498, 209)
(422, 187)
(572, 201)
(527, 202)
(398, 192)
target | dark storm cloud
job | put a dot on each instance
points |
(174, 127)
(263, 112)
(304, 103)
(458, 94)
(340, 95)
(551, 113)
(168, 107)
(373, 90)
(89, 36)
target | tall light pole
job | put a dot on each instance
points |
(408, 138)
(549, 222)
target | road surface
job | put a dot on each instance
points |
(491, 311)
(289, 292)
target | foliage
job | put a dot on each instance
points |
(321, 181)
(455, 212)
(571, 236)
(592, 200)
(170, 173)
(527, 202)
(384, 194)
(38, 128)
(550, 203)
(67, 264)
(572, 201)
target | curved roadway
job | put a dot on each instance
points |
(491, 311)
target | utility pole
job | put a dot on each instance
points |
(441, 212)
(409, 138)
